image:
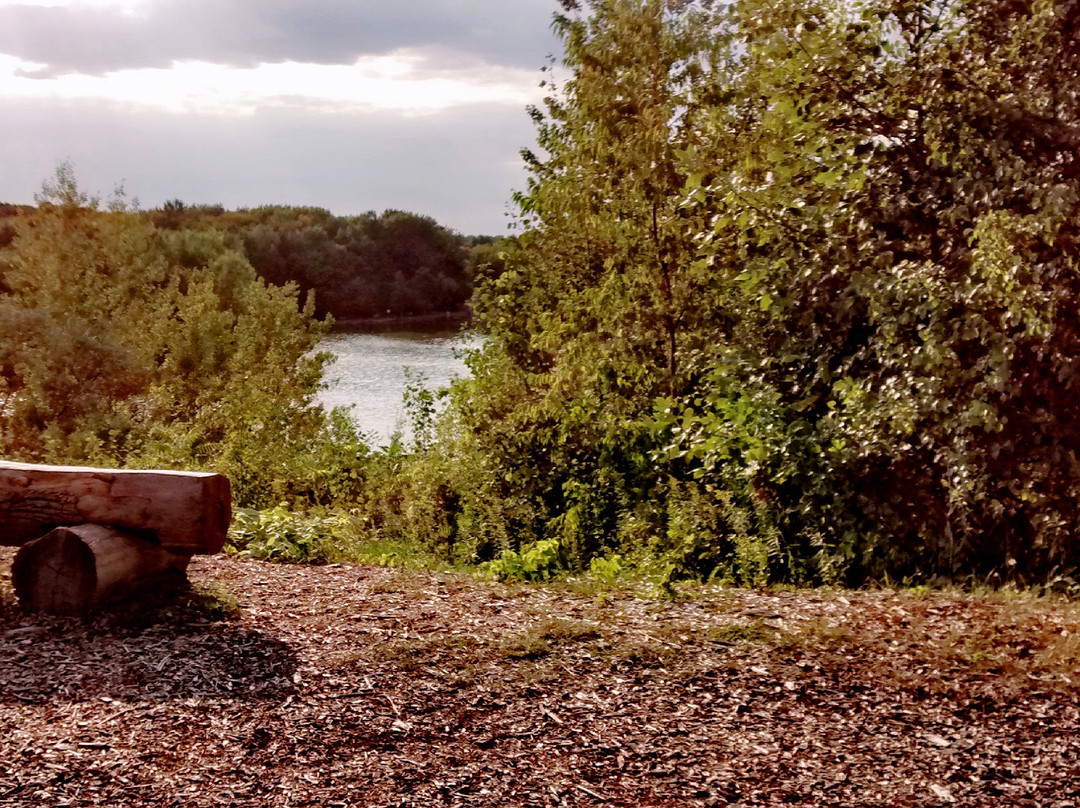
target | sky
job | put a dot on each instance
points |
(348, 105)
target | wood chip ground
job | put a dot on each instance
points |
(274, 685)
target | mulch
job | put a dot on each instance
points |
(275, 685)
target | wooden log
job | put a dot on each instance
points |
(185, 512)
(72, 570)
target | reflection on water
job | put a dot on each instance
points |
(370, 372)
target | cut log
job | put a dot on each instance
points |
(186, 512)
(72, 570)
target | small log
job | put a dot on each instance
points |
(186, 512)
(72, 570)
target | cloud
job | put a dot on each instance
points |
(458, 166)
(401, 81)
(349, 105)
(94, 38)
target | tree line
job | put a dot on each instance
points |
(123, 344)
(390, 264)
(376, 265)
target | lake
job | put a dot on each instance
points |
(369, 373)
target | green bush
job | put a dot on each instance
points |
(796, 298)
(281, 535)
(541, 562)
(607, 569)
(124, 345)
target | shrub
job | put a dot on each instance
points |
(281, 535)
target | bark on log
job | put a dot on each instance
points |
(185, 512)
(71, 570)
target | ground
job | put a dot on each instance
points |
(275, 685)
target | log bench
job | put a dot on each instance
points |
(87, 536)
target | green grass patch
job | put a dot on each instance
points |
(755, 632)
(214, 601)
(447, 652)
(545, 636)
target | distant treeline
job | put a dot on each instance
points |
(391, 264)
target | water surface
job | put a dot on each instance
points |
(369, 374)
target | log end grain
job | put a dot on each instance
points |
(55, 574)
(72, 570)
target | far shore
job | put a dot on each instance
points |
(440, 318)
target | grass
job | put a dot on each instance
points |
(1011, 641)
(545, 636)
(753, 632)
(7, 593)
(214, 601)
(922, 639)
(450, 652)
(1007, 636)
(458, 654)
(391, 553)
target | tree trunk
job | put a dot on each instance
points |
(71, 570)
(185, 512)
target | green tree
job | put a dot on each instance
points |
(796, 297)
(902, 228)
(121, 344)
(597, 310)
(371, 265)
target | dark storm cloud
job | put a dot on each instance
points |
(459, 166)
(244, 33)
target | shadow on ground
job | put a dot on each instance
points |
(178, 642)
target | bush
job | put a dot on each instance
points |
(123, 345)
(541, 562)
(281, 535)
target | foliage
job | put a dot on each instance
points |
(214, 601)
(585, 322)
(540, 562)
(420, 404)
(796, 300)
(606, 569)
(124, 345)
(373, 265)
(279, 534)
(902, 240)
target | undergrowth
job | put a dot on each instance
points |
(280, 534)
(214, 601)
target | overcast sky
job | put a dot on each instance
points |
(349, 105)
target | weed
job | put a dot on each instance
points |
(281, 535)
(215, 601)
(755, 632)
(391, 553)
(541, 562)
(607, 569)
(602, 599)
(646, 651)
(543, 637)
(446, 651)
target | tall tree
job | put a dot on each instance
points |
(903, 227)
(797, 296)
(597, 311)
(120, 344)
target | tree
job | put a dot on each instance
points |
(359, 266)
(796, 298)
(121, 344)
(597, 310)
(903, 229)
